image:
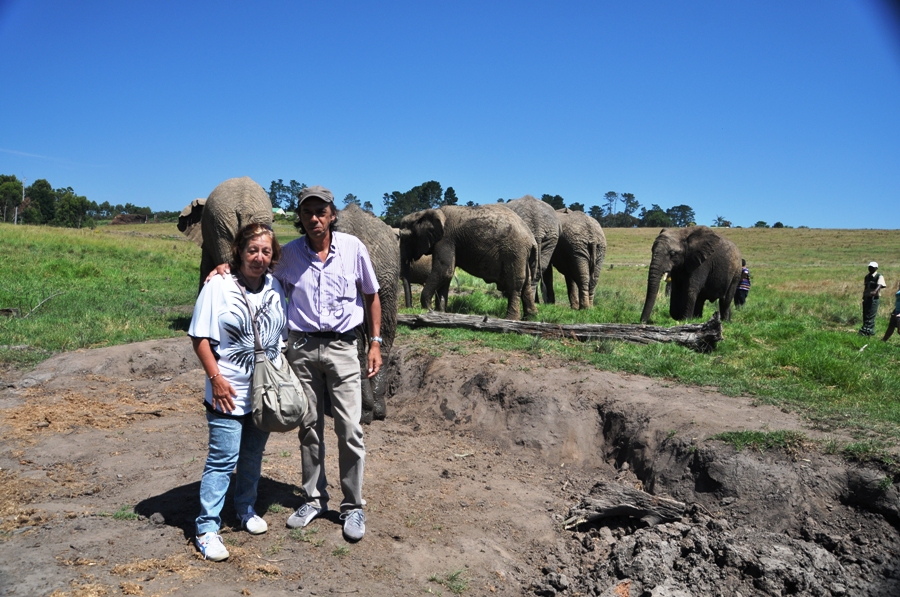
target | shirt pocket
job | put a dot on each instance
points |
(348, 290)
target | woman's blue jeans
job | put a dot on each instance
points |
(232, 442)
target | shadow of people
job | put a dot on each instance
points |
(180, 506)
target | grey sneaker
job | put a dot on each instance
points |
(354, 524)
(211, 546)
(254, 523)
(303, 516)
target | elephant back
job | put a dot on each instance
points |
(232, 205)
(381, 242)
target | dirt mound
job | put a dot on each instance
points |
(468, 482)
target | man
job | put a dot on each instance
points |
(873, 284)
(743, 289)
(331, 288)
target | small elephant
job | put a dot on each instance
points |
(488, 241)
(231, 206)
(578, 256)
(381, 242)
(417, 272)
(703, 266)
(541, 219)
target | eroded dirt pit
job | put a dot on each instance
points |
(468, 484)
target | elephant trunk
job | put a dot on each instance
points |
(653, 280)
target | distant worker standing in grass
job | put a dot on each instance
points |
(894, 321)
(740, 297)
(872, 286)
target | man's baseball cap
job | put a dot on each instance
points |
(873, 264)
(317, 191)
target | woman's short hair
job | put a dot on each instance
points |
(243, 238)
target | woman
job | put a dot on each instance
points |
(894, 320)
(222, 333)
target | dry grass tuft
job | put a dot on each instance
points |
(181, 564)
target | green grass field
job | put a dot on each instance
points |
(794, 344)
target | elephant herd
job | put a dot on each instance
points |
(514, 245)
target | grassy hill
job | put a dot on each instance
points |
(794, 344)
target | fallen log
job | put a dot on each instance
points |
(608, 499)
(701, 337)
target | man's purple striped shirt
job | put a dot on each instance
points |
(326, 297)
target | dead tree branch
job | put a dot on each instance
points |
(608, 499)
(41, 303)
(701, 337)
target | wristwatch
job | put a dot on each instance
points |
(378, 339)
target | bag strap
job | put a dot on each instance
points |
(257, 345)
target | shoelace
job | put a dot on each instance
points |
(353, 516)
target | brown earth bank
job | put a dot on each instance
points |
(469, 482)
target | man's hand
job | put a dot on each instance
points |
(221, 270)
(374, 359)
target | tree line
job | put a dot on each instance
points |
(42, 204)
(618, 210)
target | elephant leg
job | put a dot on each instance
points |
(572, 287)
(549, 294)
(440, 277)
(442, 293)
(206, 266)
(698, 308)
(407, 293)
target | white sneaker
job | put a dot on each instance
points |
(303, 516)
(354, 524)
(254, 523)
(211, 546)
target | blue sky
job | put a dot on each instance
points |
(752, 110)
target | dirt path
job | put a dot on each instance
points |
(467, 481)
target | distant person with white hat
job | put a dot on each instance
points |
(873, 284)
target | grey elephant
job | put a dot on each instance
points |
(541, 219)
(488, 241)
(578, 256)
(231, 205)
(704, 267)
(417, 272)
(381, 242)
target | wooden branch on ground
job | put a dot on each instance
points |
(41, 303)
(608, 499)
(701, 337)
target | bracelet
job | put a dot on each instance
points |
(215, 376)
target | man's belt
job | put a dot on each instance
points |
(345, 336)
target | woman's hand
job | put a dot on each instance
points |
(223, 394)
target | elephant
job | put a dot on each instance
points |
(417, 273)
(578, 256)
(541, 219)
(488, 241)
(704, 267)
(231, 206)
(381, 242)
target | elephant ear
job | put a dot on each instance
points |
(428, 230)
(700, 246)
(189, 221)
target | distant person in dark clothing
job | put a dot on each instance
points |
(873, 284)
(894, 321)
(740, 297)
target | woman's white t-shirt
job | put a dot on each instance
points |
(221, 316)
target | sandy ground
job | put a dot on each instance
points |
(467, 481)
